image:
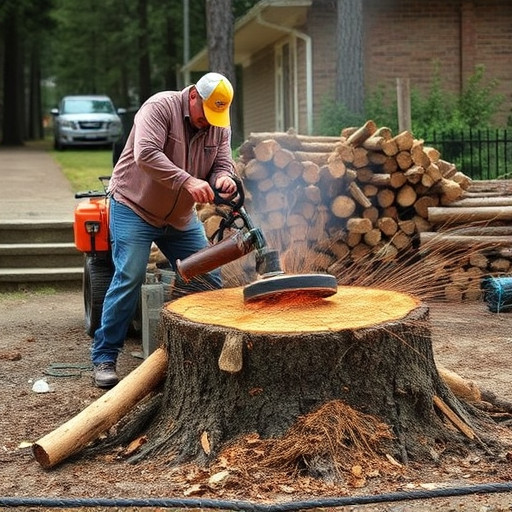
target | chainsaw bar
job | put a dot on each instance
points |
(310, 286)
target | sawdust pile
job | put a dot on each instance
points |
(334, 443)
(334, 432)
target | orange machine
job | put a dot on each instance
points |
(91, 225)
(91, 232)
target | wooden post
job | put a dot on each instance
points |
(403, 96)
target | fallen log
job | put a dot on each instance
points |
(462, 388)
(99, 416)
(459, 215)
(482, 230)
(483, 201)
(266, 149)
(450, 241)
(363, 133)
(318, 158)
(286, 140)
(472, 194)
(499, 185)
(289, 140)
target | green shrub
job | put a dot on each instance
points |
(437, 110)
(441, 111)
(478, 102)
(381, 108)
(334, 117)
(458, 124)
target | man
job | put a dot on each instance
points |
(178, 150)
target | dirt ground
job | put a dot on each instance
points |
(40, 329)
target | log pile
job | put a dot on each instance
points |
(480, 225)
(328, 202)
(363, 194)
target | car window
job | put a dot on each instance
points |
(84, 106)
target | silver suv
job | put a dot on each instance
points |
(86, 121)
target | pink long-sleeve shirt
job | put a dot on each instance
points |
(161, 153)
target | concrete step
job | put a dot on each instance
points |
(19, 278)
(38, 252)
(35, 231)
(40, 255)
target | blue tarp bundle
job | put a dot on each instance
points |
(498, 293)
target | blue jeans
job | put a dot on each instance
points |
(131, 239)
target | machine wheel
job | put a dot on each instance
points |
(98, 272)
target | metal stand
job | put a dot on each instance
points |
(154, 293)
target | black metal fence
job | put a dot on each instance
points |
(479, 154)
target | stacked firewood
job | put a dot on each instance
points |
(479, 227)
(364, 193)
(328, 202)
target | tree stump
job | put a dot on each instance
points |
(238, 368)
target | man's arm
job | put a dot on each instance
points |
(150, 138)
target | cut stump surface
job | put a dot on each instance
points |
(349, 308)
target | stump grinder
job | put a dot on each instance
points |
(91, 236)
(245, 237)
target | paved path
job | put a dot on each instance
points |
(32, 186)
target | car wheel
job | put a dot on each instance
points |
(98, 272)
(57, 145)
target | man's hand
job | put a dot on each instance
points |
(226, 185)
(200, 190)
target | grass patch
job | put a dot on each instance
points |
(82, 167)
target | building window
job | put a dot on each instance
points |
(286, 96)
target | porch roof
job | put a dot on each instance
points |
(263, 25)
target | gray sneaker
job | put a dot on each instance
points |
(105, 375)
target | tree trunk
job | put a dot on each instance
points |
(35, 122)
(349, 41)
(238, 368)
(13, 85)
(144, 66)
(221, 55)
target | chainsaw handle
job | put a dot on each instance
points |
(235, 200)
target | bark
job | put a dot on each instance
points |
(35, 122)
(350, 63)
(13, 85)
(144, 65)
(221, 54)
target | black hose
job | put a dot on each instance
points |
(253, 507)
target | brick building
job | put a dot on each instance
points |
(287, 52)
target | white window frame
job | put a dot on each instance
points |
(291, 95)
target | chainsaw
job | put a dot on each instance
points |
(237, 236)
